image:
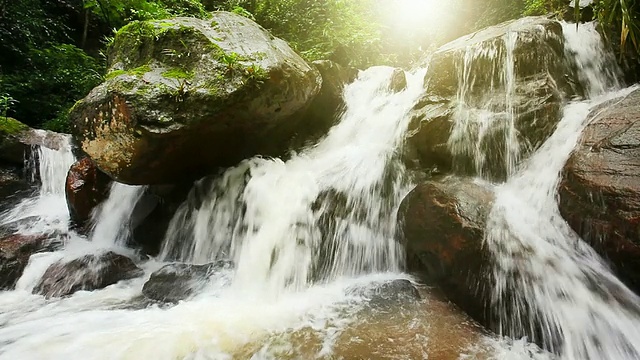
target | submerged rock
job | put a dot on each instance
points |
(443, 225)
(391, 293)
(599, 195)
(184, 96)
(15, 251)
(175, 282)
(86, 187)
(476, 85)
(90, 272)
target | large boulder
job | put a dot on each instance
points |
(178, 281)
(442, 224)
(86, 187)
(184, 96)
(599, 195)
(490, 98)
(90, 272)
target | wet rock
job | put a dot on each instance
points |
(90, 272)
(392, 293)
(328, 105)
(175, 282)
(13, 187)
(86, 187)
(153, 213)
(398, 81)
(443, 224)
(462, 120)
(599, 195)
(185, 96)
(15, 251)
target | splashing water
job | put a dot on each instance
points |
(111, 218)
(547, 279)
(49, 204)
(278, 220)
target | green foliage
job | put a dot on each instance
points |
(622, 17)
(6, 102)
(11, 126)
(117, 13)
(51, 82)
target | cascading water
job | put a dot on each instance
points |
(48, 205)
(477, 116)
(547, 279)
(327, 212)
(308, 232)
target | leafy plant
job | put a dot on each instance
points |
(6, 102)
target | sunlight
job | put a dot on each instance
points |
(414, 14)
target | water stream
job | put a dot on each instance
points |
(305, 233)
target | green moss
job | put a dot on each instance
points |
(176, 73)
(140, 70)
(11, 126)
(114, 74)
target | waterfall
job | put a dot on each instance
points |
(110, 219)
(483, 112)
(49, 167)
(547, 279)
(328, 211)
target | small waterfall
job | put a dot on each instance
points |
(49, 167)
(548, 281)
(597, 68)
(111, 218)
(328, 211)
(485, 108)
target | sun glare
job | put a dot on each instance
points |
(411, 15)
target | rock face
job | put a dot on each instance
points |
(15, 251)
(443, 226)
(175, 282)
(600, 190)
(184, 96)
(504, 82)
(90, 272)
(13, 186)
(86, 186)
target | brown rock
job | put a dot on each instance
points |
(540, 86)
(443, 226)
(86, 187)
(90, 272)
(600, 190)
(15, 251)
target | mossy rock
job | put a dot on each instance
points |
(11, 147)
(183, 97)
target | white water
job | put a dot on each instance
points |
(483, 112)
(265, 213)
(305, 320)
(296, 261)
(48, 205)
(546, 276)
(111, 218)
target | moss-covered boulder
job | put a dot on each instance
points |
(16, 138)
(490, 98)
(185, 96)
(11, 146)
